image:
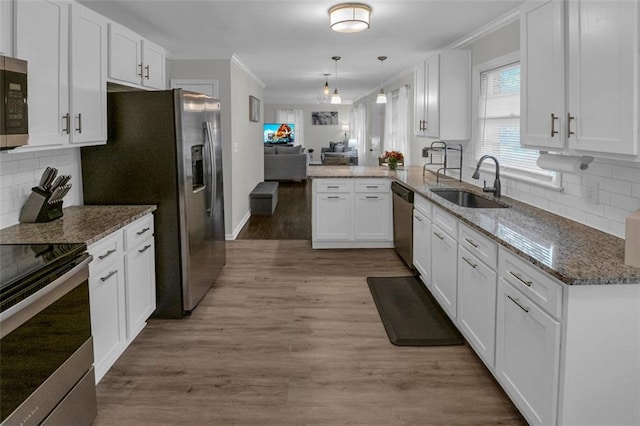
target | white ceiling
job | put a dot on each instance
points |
(288, 44)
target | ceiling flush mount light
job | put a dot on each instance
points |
(335, 98)
(382, 97)
(349, 17)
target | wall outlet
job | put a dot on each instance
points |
(591, 190)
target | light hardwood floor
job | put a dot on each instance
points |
(290, 336)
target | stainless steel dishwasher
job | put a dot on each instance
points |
(403, 222)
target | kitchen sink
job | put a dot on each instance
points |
(468, 199)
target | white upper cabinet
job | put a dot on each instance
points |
(133, 60)
(6, 28)
(603, 76)
(443, 96)
(64, 44)
(542, 57)
(587, 51)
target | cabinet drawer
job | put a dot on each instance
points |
(372, 185)
(422, 205)
(445, 221)
(106, 251)
(329, 185)
(138, 231)
(479, 245)
(534, 283)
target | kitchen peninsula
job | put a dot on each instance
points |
(548, 304)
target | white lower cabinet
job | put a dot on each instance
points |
(477, 304)
(422, 246)
(351, 213)
(527, 354)
(121, 290)
(444, 259)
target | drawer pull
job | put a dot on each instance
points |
(372, 186)
(145, 248)
(333, 187)
(372, 197)
(143, 231)
(438, 235)
(473, 265)
(335, 197)
(517, 302)
(522, 280)
(107, 254)
(418, 218)
(471, 242)
(109, 275)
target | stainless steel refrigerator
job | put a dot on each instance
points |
(164, 148)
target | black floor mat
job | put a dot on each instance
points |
(411, 316)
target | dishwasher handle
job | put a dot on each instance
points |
(402, 191)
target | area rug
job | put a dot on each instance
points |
(410, 314)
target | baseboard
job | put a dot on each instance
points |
(236, 231)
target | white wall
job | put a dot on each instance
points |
(315, 136)
(21, 172)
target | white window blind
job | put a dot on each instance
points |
(499, 123)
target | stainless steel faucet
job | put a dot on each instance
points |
(496, 183)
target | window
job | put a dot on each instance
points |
(498, 123)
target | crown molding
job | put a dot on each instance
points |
(235, 60)
(496, 24)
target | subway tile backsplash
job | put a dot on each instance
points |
(20, 172)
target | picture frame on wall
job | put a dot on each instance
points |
(254, 108)
(324, 118)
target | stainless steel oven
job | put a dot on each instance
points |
(46, 349)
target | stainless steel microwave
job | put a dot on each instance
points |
(14, 117)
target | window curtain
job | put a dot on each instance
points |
(396, 123)
(358, 126)
(295, 117)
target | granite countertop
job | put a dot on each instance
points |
(569, 251)
(79, 224)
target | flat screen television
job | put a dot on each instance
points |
(278, 133)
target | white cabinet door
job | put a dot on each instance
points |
(333, 216)
(432, 96)
(108, 325)
(42, 39)
(141, 287)
(372, 216)
(527, 354)
(419, 100)
(88, 75)
(125, 50)
(6, 27)
(444, 260)
(542, 107)
(603, 76)
(477, 304)
(422, 246)
(153, 60)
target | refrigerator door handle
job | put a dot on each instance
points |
(212, 162)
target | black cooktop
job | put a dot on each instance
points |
(26, 268)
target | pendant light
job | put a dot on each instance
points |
(325, 95)
(335, 98)
(382, 97)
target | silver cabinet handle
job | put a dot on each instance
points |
(372, 186)
(371, 197)
(522, 280)
(517, 302)
(107, 254)
(471, 242)
(473, 265)
(569, 119)
(333, 197)
(147, 72)
(67, 123)
(109, 275)
(140, 73)
(333, 187)
(438, 235)
(145, 248)
(553, 124)
(143, 231)
(79, 128)
(418, 218)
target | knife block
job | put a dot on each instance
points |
(38, 209)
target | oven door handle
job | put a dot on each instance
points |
(28, 308)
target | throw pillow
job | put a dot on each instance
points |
(269, 149)
(288, 149)
(332, 146)
(338, 147)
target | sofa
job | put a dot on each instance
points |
(339, 150)
(285, 163)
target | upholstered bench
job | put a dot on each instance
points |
(264, 199)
